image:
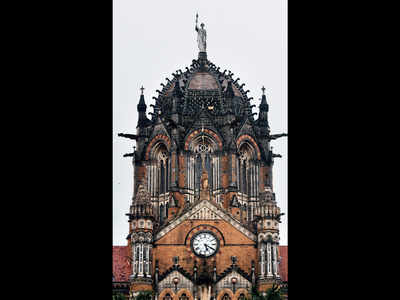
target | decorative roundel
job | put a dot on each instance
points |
(203, 148)
(204, 244)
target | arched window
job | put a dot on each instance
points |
(167, 297)
(248, 175)
(226, 297)
(183, 297)
(158, 175)
(202, 157)
(158, 170)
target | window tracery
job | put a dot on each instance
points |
(202, 156)
(248, 177)
(158, 177)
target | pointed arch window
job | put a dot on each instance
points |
(226, 297)
(167, 297)
(183, 297)
(158, 170)
(248, 176)
(203, 155)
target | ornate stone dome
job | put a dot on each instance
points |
(203, 85)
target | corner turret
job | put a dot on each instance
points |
(262, 120)
(141, 108)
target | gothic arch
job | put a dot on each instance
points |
(157, 139)
(203, 148)
(184, 291)
(251, 141)
(157, 148)
(223, 292)
(207, 133)
(241, 291)
(167, 291)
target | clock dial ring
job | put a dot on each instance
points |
(204, 244)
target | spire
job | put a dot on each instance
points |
(263, 110)
(141, 107)
(264, 105)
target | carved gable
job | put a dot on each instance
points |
(204, 213)
(168, 282)
(246, 128)
(226, 281)
(206, 209)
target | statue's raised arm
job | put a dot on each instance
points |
(201, 36)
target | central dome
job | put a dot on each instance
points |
(203, 86)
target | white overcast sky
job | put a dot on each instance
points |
(152, 39)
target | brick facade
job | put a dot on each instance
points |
(203, 168)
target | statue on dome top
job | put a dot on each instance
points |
(201, 36)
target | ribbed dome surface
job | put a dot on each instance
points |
(201, 86)
(203, 81)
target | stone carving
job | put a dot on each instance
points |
(142, 194)
(201, 36)
(205, 190)
(204, 214)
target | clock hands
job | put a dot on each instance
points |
(208, 247)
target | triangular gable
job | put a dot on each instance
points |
(226, 280)
(246, 128)
(204, 213)
(209, 210)
(167, 280)
(198, 122)
(160, 128)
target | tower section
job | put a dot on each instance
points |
(268, 215)
(141, 219)
(204, 222)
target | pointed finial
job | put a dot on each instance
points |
(142, 88)
(263, 90)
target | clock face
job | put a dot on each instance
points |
(204, 244)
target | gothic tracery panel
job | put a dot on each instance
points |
(159, 178)
(202, 155)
